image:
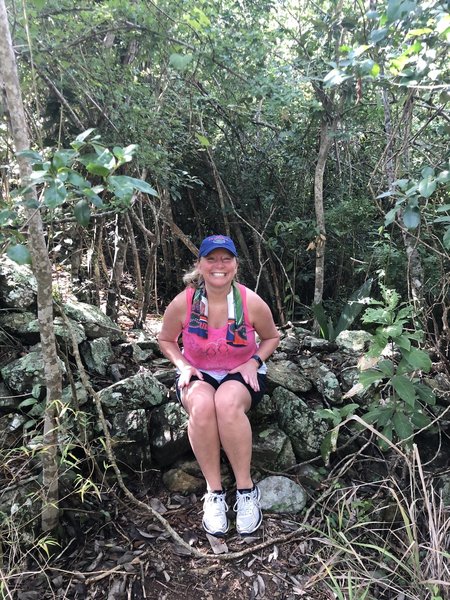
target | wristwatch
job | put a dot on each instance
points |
(258, 360)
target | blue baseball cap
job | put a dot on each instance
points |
(213, 242)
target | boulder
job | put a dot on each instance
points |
(18, 286)
(323, 379)
(97, 354)
(168, 433)
(130, 439)
(22, 374)
(26, 326)
(138, 391)
(301, 424)
(96, 324)
(282, 495)
(272, 449)
(11, 430)
(355, 342)
(287, 374)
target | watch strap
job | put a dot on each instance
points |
(258, 360)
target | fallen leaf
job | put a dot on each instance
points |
(218, 545)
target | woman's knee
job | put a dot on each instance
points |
(231, 402)
(201, 409)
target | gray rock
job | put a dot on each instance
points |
(168, 433)
(265, 411)
(323, 379)
(353, 341)
(11, 430)
(138, 391)
(130, 438)
(177, 480)
(21, 324)
(272, 449)
(23, 374)
(301, 424)
(81, 395)
(8, 402)
(144, 340)
(96, 324)
(440, 384)
(317, 344)
(97, 354)
(18, 287)
(288, 375)
(290, 344)
(281, 495)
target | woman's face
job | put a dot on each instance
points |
(218, 268)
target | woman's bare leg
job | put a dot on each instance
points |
(232, 401)
(198, 400)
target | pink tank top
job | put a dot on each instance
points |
(213, 353)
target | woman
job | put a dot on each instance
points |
(221, 375)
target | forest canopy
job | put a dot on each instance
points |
(314, 133)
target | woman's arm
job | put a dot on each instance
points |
(173, 320)
(261, 318)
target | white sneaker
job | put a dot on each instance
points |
(248, 511)
(215, 520)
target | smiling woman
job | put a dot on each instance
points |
(221, 375)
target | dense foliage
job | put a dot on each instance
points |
(226, 102)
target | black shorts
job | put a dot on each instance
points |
(256, 397)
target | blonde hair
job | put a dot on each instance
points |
(193, 278)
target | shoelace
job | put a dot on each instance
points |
(243, 503)
(217, 501)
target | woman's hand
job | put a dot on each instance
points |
(249, 372)
(186, 373)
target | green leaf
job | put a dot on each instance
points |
(321, 318)
(79, 140)
(411, 217)
(27, 402)
(387, 367)
(348, 409)
(329, 444)
(335, 77)
(419, 419)
(180, 62)
(398, 8)
(427, 187)
(90, 193)
(426, 394)
(128, 184)
(36, 391)
(418, 359)
(62, 158)
(404, 342)
(32, 157)
(82, 212)
(203, 140)
(385, 415)
(19, 254)
(378, 34)
(358, 300)
(369, 376)
(55, 194)
(402, 426)
(390, 216)
(404, 388)
(446, 239)
(77, 180)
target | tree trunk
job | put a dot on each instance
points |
(415, 269)
(326, 132)
(120, 251)
(43, 272)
